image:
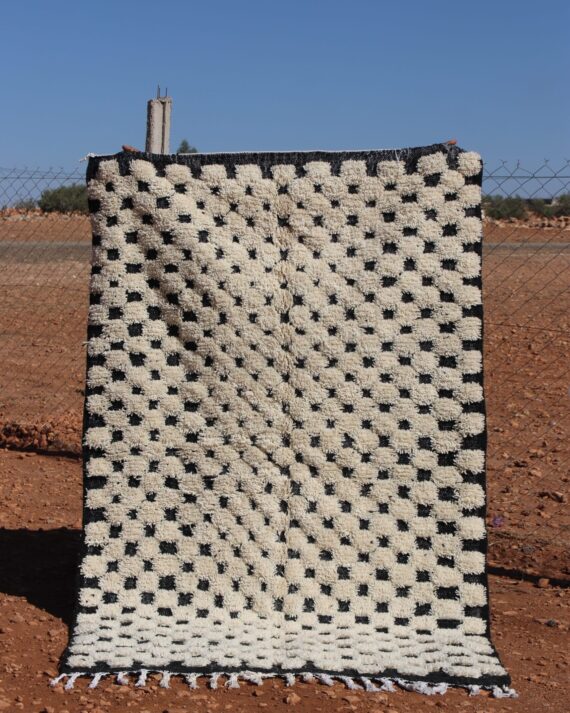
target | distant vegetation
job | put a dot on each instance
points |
(501, 207)
(185, 147)
(65, 199)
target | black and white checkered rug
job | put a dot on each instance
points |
(284, 431)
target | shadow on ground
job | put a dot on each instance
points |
(41, 566)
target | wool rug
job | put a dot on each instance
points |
(284, 423)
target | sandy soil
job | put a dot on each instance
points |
(40, 502)
(516, 231)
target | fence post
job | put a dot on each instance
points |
(158, 124)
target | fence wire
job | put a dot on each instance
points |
(44, 274)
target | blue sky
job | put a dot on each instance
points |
(302, 74)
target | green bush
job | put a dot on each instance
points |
(504, 207)
(559, 206)
(65, 199)
(541, 207)
(185, 147)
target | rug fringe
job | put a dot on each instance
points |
(368, 683)
(96, 678)
(142, 677)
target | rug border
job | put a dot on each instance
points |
(266, 159)
(389, 673)
(485, 440)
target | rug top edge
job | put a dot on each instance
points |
(398, 153)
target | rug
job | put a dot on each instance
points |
(284, 423)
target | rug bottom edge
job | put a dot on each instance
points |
(498, 686)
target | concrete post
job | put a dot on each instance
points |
(158, 125)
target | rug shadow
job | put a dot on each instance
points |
(41, 566)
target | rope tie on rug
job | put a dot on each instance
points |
(165, 680)
(71, 681)
(142, 677)
(192, 679)
(253, 677)
(504, 692)
(96, 678)
(427, 689)
(214, 678)
(57, 679)
(349, 683)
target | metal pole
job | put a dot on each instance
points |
(158, 115)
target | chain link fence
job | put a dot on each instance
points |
(44, 274)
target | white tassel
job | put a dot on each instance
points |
(440, 688)
(96, 678)
(142, 677)
(416, 686)
(423, 687)
(504, 692)
(57, 679)
(350, 683)
(71, 681)
(253, 677)
(368, 685)
(386, 684)
(232, 681)
(192, 679)
(214, 679)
